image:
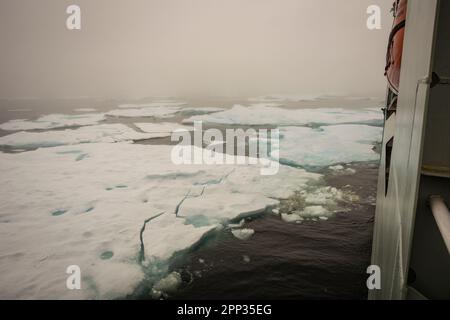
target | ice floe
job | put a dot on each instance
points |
(336, 168)
(97, 133)
(156, 112)
(243, 234)
(309, 97)
(164, 129)
(327, 145)
(341, 170)
(202, 110)
(159, 111)
(53, 121)
(85, 110)
(168, 284)
(263, 114)
(286, 98)
(161, 104)
(311, 213)
(291, 217)
(103, 193)
(315, 203)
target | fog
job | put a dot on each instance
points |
(139, 48)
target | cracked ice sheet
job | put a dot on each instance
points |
(328, 145)
(106, 133)
(53, 121)
(105, 199)
(267, 114)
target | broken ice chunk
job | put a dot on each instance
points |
(243, 234)
(169, 284)
(290, 217)
(314, 212)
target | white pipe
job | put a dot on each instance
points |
(442, 217)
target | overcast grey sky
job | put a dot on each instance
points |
(136, 48)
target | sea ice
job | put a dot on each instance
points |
(158, 111)
(87, 204)
(104, 201)
(237, 225)
(202, 110)
(96, 133)
(164, 129)
(315, 202)
(53, 121)
(336, 168)
(263, 114)
(85, 110)
(168, 284)
(310, 212)
(290, 217)
(314, 212)
(243, 234)
(153, 105)
(327, 145)
(286, 98)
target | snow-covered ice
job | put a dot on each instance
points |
(87, 204)
(328, 145)
(202, 110)
(158, 111)
(152, 105)
(85, 110)
(59, 210)
(309, 212)
(53, 121)
(243, 234)
(263, 114)
(315, 203)
(336, 168)
(97, 133)
(164, 129)
(286, 98)
(168, 284)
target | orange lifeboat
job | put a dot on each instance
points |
(395, 47)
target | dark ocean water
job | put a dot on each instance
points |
(312, 260)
